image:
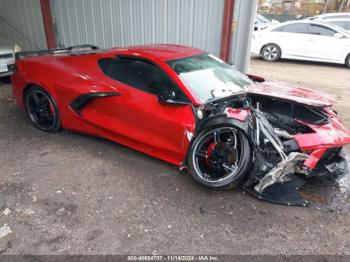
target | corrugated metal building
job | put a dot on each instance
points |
(21, 22)
(121, 23)
(205, 24)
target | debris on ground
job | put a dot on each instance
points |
(5, 230)
(6, 211)
(29, 212)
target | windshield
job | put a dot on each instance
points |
(209, 77)
(262, 19)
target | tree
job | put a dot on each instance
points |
(326, 5)
(343, 4)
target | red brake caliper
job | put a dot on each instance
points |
(209, 150)
(52, 109)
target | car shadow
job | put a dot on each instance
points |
(5, 80)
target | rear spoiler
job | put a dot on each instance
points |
(22, 54)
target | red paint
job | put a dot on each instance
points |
(136, 118)
(315, 156)
(332, 135)
(48, 24)
(255, 78)
(161, 51)
(329, 135)
(240, 114)
(292, 93)
(226, 34)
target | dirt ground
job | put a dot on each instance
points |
(66, 193)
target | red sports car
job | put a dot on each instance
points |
(189, 108)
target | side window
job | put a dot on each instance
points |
(321, 30)
(296, 28)
(140, 74)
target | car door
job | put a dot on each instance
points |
(136, 114)
(323, 45)
(292, 39)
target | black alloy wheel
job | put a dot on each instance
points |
(220, 157)
(42, 109)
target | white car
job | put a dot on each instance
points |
(330, 16)
(303, 40)
(7, 59)
(341, 22)
(261, 22)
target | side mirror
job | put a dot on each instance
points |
(339, 35)
(258, 79)
(168, 97)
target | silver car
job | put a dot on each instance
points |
(7, 59)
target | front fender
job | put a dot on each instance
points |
(220, 120)
(217, 121)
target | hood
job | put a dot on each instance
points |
(291, 92)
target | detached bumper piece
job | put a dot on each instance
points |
(285, 193)
(278, 164)
(281, 185)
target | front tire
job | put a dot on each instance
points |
(220, 157)
(42, 109)
(271, 52)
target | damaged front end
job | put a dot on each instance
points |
(292, 140)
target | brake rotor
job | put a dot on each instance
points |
(221, 153)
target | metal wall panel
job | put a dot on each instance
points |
(244, 14)
(27, 28)
(110, 23)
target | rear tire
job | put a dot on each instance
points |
(42, 109)
(223, 164)
(347, 61)
(271, 52)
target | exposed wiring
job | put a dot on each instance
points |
(19, 33)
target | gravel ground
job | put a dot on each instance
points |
(67, 193)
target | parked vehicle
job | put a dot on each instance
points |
(7, 59)
(303, 40)
(341, 22)
(188, 108)
(261, 22)
(330, 16)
